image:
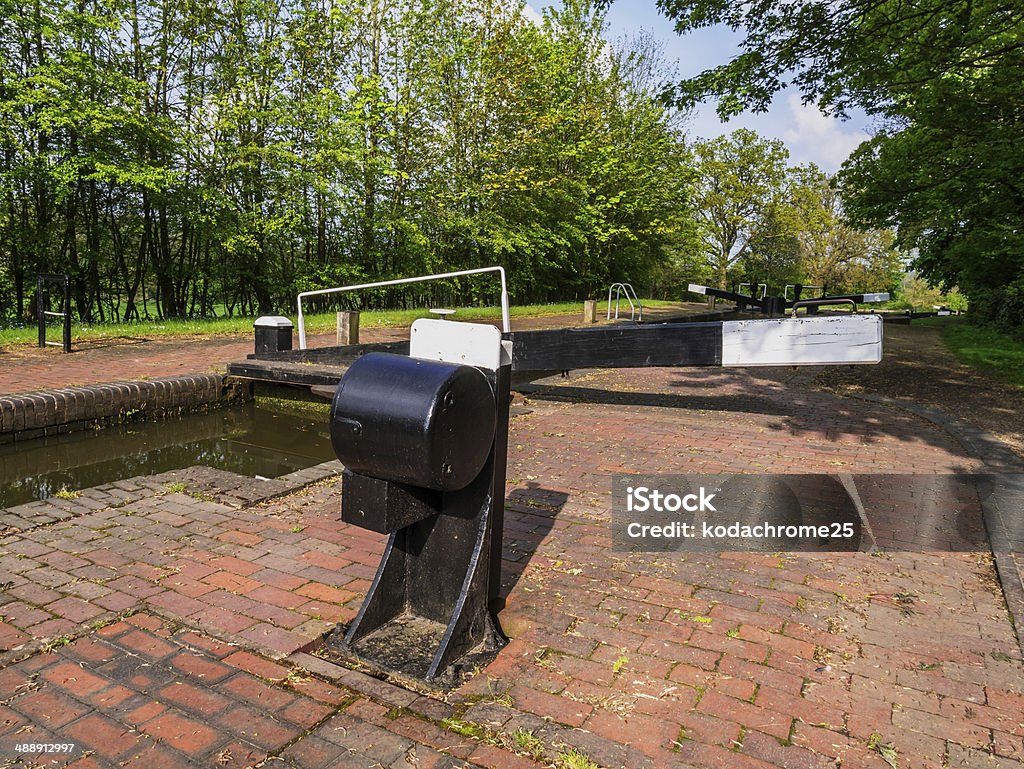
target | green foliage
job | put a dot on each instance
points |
(997, 354)
(943, 79)
(764, 222)
(182, 160)
(574, 758)
(915, 293)
(739, 185)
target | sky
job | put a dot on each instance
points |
(810, 136)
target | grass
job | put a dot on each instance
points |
(526, 742)
(315, 324)
(996, 354)
(575, 759)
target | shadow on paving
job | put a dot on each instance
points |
(800, 413)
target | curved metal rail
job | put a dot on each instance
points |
(636, 311)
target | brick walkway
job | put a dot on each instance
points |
(168, 621)
(28, 368)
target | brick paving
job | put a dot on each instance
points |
(175, 620)
(29, 369)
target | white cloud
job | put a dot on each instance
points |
(816, 137)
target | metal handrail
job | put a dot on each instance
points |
(506, 326)
(823, 303)
(624, 289)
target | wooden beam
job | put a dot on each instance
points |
(804, 341)
(670, 344)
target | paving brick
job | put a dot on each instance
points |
(247, 688)
(199, 667)
(768, 749)
(188, 735)
(305, 713)
(146, 645)
(233, 583)
(258, 666)
(805, 710)
(492, 757)
(326, 593)
(311, 753)
(319, 691)
(258, 728)
(649, 735)
(745, 714)
(275, 639)
(964, 734)
(367, 739)
(50, 709)
(75, 679)
(109, 739)
(559, 709)
(196, 699)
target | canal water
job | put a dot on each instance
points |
(248, 439)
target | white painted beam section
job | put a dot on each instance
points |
(472, 344)
(806, 341)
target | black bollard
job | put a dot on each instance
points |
(424, 445)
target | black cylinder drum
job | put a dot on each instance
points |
(420, 422)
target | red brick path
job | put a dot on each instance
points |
(28, 369)
(731, 660)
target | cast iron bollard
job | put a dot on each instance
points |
(423, 442)
(273, 334)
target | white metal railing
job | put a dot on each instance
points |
(624, 289)
(401, 281)
(785, 291)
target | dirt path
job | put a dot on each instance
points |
(918, 366)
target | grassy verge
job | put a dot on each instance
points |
(996, 354)
(315, 324)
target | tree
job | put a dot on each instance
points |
(739, 182)
(180, 158)
(942, 78)
(833, 254)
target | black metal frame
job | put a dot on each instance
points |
(42, 311)
(430, 610)
(775, 306)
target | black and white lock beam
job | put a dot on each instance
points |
(803, 341)
(424, 441)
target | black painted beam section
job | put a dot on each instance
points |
(288, 373)
(336, 355)
(670, 344)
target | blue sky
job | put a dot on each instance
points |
(809, 135)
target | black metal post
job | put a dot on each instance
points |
(42, 304)
(425, 469)
(67, 314)
(41, 310)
